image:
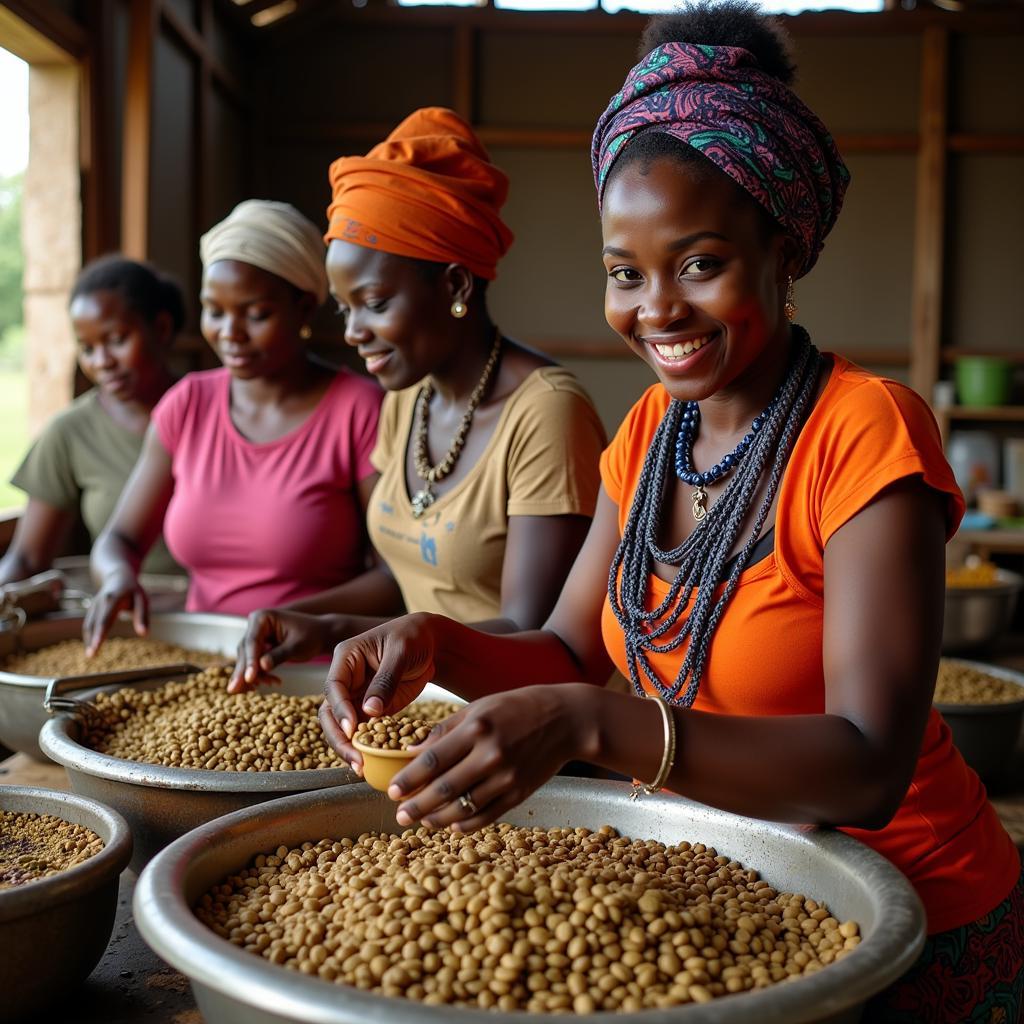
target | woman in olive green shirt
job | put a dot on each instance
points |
(125, 316)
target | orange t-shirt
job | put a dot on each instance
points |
(864, 433)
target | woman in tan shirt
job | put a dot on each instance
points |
(488, 451)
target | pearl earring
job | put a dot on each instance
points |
(459, 309)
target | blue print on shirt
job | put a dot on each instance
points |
(428, 549)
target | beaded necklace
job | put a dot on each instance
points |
(688, 428)
(702, 555)
(425, 497)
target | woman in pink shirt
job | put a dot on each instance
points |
(258, 473)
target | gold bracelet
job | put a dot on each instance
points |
(668, 756)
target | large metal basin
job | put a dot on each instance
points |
(161, 803)
(235, 987)
(21, 697)
(987, 734)
(54, 931)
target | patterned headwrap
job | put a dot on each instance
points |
(748, 123)
(274, 237)
(428, 191)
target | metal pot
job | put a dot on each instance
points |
(163, 803)
(232, 986)
(54, 931)
(22, 714)
(975, 616)
(987, 734)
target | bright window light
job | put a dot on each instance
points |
(769, 6)
(546, 5)
(442, 3)
(13, 115)
(271, 14)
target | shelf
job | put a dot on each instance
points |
(1009, 542)
(996, 413)
(951, 353)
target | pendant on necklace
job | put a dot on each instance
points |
(421, 501)
(700, 503)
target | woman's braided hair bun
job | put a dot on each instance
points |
(726, 23)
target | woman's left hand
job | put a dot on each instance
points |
(492, 755)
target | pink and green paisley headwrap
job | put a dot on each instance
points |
(748, 123)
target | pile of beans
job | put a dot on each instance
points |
(958, 683)
(198, 724)
(34, 846)
(67, 658)
(409, 727)
(543, 920)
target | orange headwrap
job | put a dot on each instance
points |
(428, 191)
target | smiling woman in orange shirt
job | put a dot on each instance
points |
(766, 560)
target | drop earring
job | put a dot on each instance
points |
(790, 308)
(459, 309)
(305, 332)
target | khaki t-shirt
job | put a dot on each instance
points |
(80, 463)
(541, 460)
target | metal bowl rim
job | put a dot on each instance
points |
(169, 926)
(210, 619)
(56, 742)
(46, 893)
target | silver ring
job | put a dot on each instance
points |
(466, 803)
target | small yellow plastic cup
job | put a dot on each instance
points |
(381, 766)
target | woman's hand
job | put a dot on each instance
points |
(381, 671)
(493, 754)
(120, 590)
(273, 635)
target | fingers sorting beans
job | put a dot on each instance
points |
(559, 920)
(34, 846)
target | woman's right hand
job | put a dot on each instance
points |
(377, 673)
(273, 635)
(120, 591)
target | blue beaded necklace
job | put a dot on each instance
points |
(689, 424)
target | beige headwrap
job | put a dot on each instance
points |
(274, 237)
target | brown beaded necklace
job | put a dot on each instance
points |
(425, 497)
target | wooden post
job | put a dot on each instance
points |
(101, 224)
(930, 215)
(138, 129)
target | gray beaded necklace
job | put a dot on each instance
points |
(702, 556)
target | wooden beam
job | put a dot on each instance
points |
(993, 145)
(138, 129)
(40, 33)
(202, 52)
(930, 213)
(201, 129)
(294, 130)
(951, 353)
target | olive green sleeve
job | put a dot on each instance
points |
(47, 471)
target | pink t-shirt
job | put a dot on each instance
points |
(258, 525)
